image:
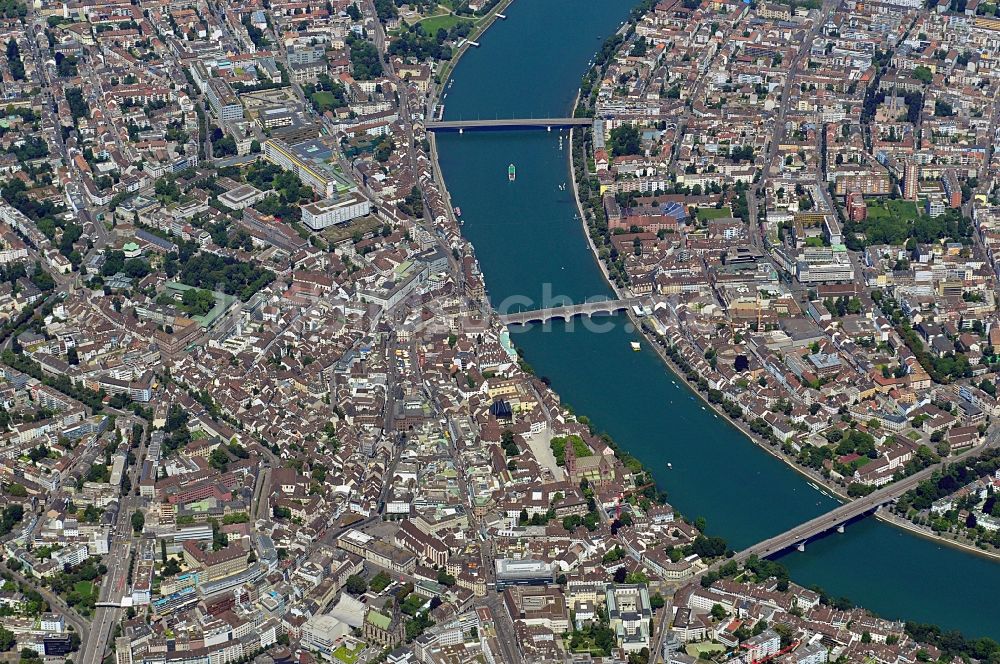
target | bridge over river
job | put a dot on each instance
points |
(597, 307)
(508, 123)
(839, 516)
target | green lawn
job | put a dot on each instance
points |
(580, 447)
(343, 654)
(585, 646)
(888, 209)
(558, 446)
(696, 649)
(324, 100)
(705, 214)
(447, 21)
(896, 221)
(412, 604)
(84, 588)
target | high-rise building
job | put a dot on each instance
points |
(911, 181)
(224, 102)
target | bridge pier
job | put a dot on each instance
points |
(801, 546)
(840, 528)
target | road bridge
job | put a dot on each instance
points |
(598, 307)
(836, 518)
(507, 123)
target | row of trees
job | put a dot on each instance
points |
(589, 187)
(842, 306)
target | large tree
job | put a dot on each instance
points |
(356, 585)
(7, 640)
(625, 140)
(138, 521)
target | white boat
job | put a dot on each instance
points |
(670, 465)
(635, 345)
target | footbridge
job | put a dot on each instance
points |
(838, 517)
(597, 307)
(508, 123)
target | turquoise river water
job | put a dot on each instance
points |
(533, 251)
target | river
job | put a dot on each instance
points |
(533, 251)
